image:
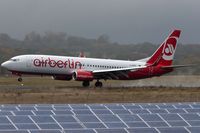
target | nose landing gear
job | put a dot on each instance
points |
(19, 76)
(19, 79)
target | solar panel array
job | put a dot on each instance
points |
(101, 118)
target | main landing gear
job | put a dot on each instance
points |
(86, 83)
(97, 84)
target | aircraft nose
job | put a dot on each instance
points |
(5, 64)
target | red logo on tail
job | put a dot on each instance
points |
(169, 49)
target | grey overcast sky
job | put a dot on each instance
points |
(127, 21)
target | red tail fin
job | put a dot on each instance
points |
(165, 53)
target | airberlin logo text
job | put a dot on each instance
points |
(68, 63)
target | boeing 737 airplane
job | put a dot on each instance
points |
(89, 69)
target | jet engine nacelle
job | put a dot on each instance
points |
(82, 75)
(68, 77)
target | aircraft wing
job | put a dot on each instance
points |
(115, 73)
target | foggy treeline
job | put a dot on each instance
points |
(59, 43)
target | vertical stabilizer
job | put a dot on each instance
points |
(164, 55)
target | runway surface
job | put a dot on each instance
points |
(101, 118)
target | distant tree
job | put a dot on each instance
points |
(32, 37)
(4, 37)
(55, 36)
(103, 39)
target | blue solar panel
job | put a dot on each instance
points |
(44, 108)
(63, 112)
(111, 131)
(160, 111)
(80, 131)
(26, 113)
(177, 123)
(64, 118)
(71, 125)
(114, 106)
(62, 108)
(26, 126)
(20, 119)
(157, 124)
(150, 117)
(173, 130)
(166, 106)
(43, 119)
(176, 111)
(190, 116)
(3, 113)
(84, 111)
(115, 125)
(161, 117)
(120, 111)
(149, 106)
(194, 129)
(26, 108)
(9, 108)
(130, 118)
(87, 118)
(6, 126)
(196, 105)
(171, 117)
(132, 107)
(46, 131)
(181, 106)
(136, 124)
(11, 131)
(4, 120)
(43, 112)
(96, 106)
(109, 118)
(94, 125)
(194, 123)
(79, 106)
(193, 110)
(139, 111)
(43, 105)
(49, 126)
(142, 130)
(101, 111)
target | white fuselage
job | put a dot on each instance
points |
(48, 64)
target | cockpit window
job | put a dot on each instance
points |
(14, 59)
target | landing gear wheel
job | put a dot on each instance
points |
(98, 84)
(86, 83)
(19, 79)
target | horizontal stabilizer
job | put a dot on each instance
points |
(178, 66)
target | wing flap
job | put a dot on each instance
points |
(118, 70)
(115, 73)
